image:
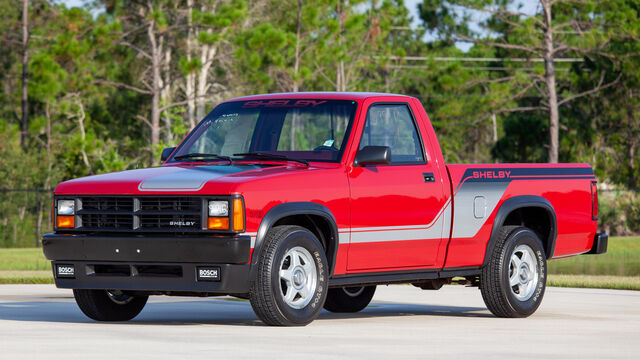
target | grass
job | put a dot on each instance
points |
(595, 281)
(26, 277)
(24, 266)
(622, 259)
(23, 259)
(619, 268)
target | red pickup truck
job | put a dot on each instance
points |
(309, 200)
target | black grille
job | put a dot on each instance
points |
(163, 204)
(107, 221)
(107, 203)
(174, 221)
(170, 214)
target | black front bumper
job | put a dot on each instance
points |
(150, 263)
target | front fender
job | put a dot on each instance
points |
(296, 208)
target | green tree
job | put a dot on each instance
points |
(532, 46)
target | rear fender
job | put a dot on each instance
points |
(515, 203)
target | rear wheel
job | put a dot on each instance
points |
(291, 283)
(514, 280)
(349, 299)
(112, 305)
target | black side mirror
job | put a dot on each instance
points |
(166, 153)
(373, 155)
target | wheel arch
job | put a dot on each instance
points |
(534, 212)
(317, 218)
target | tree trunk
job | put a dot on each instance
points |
(340, 73)
(38, 219)
(207, 53)
(47, 181)
(83, 135)
(494, 122)
(190, 78)
(295, 87)
(632, 142)
(167, 96)
(156, 60)
(550, 82)
(25, 75)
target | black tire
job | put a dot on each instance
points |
(101, 305)
(349, 299)
(267, 290)
(502, 298)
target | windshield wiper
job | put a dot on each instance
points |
(269, 156)
(203, 157)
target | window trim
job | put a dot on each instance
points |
(415, 126)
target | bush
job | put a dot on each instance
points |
(619, 212)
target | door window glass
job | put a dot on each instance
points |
(393, 126)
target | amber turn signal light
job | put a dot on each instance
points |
(65, 221)
(238, 215)
(218, 223)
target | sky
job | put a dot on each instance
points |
(528, 6)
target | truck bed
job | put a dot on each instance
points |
(479, 190)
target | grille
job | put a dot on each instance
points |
(143, 214)
(170, 204)
(107, 203)
(107, 221)
(176, 221)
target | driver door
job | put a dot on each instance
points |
(396, 209)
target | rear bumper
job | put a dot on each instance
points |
(150, 263)
(600, 243)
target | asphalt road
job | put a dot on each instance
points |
(42, 322)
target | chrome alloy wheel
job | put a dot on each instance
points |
(523, 272)
(298, 277)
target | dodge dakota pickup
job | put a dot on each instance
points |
(306, 201)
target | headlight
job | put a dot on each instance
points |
(66, 207)
(218, 208)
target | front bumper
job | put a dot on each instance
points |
(150, 263)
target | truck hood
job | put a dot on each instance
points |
(220, 179)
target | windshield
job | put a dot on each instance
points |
(304, 129)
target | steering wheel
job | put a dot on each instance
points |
(324, 147)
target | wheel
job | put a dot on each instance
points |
(291, 282)
(349, 299)
(103, 305)
(514, 280)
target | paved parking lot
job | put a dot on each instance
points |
(40, 321)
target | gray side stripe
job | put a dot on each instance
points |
(343, 238)
(404, 233)
(465, 223)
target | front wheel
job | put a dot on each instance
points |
(113, 305)
(514, 280)
(291, 283)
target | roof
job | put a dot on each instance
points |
(319, 95)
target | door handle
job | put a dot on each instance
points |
(428, 177)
